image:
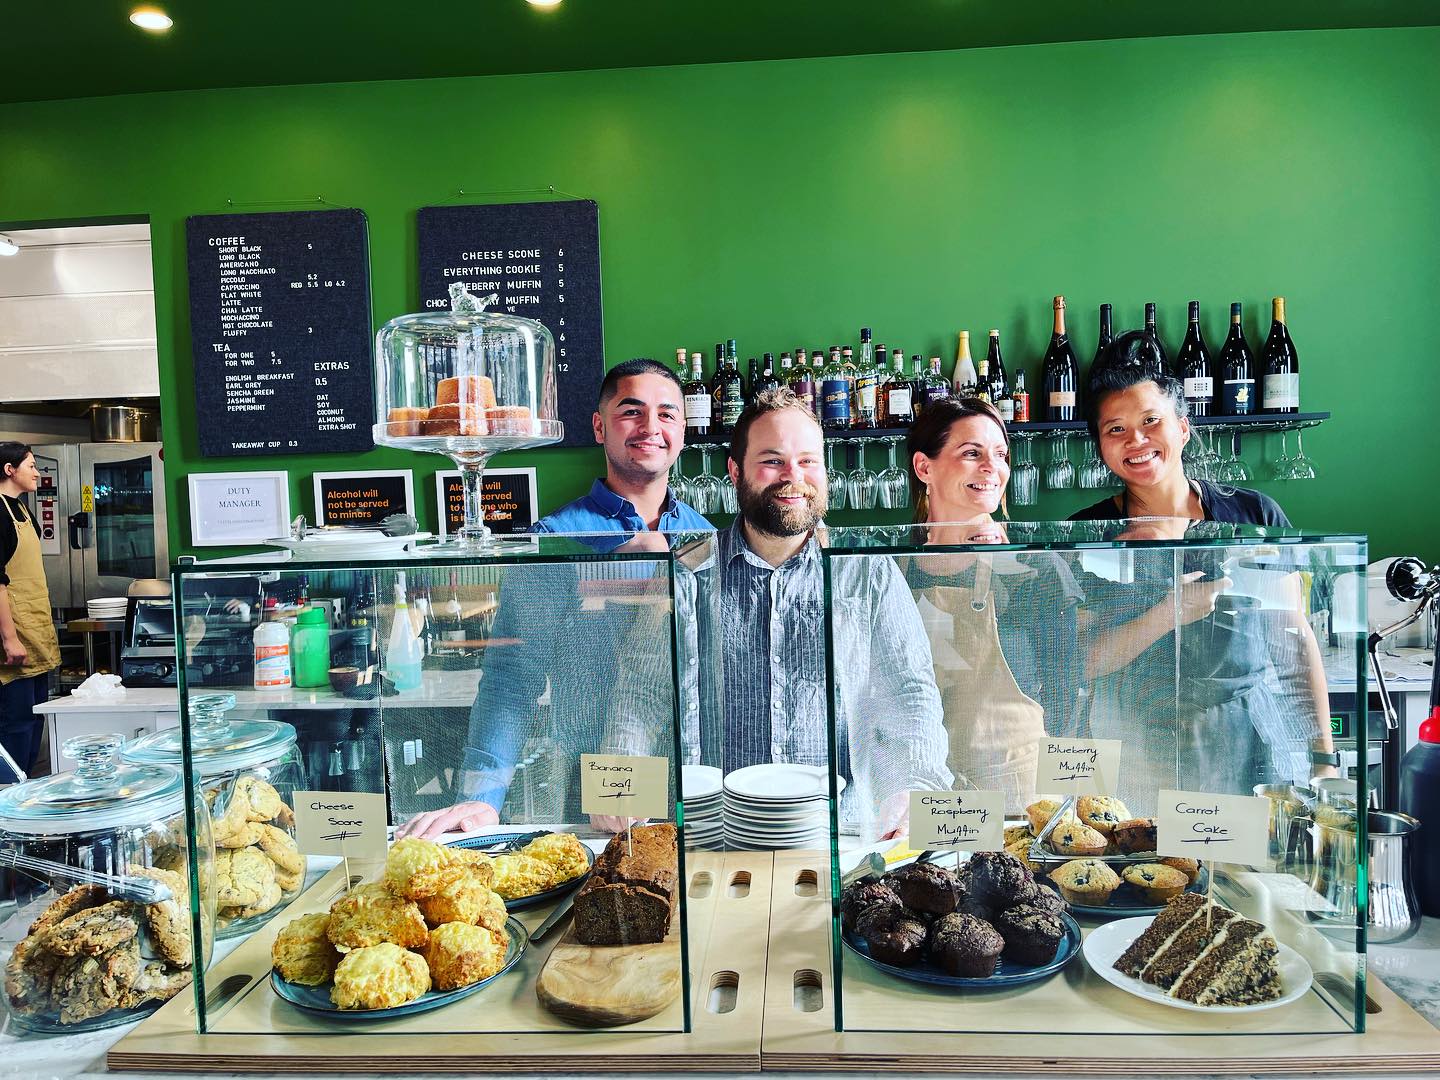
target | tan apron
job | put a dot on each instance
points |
(994, 727)
(29, 603)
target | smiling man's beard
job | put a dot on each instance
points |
(759, 508)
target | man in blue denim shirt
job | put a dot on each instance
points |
(560, 638)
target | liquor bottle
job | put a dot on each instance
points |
(835, 395)
(936, 386)
(1237, 370)
(750, 383)
(803, 381)
(1154, 336)
(1020, 400)
(982, 382)
(883, 378)
(1193, 363)
(1061, 372)
(698, 402)
(787, 369)
(964, 378)
(862, 401)
(1103, 341)
(999, 384)
(917, 385)
(732, 397)
(898, 405)
(1281, 365)
(768, 381)
(681, 364)
(717, 390)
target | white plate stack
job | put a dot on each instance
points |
(774, 806)
(704, 812)
(106, 607)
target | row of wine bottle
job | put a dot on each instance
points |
(849, 391)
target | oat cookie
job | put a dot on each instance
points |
(95, 930)
(169, 920)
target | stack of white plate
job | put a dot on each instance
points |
(106, 607)
(704, 811)
(774, 806)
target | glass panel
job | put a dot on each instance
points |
(1207, 652)
(468, 709)
(125, 518)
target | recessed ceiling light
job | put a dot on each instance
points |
(152, 19)
(544, 3)
(8, 246)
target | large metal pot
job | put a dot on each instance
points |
(121, 423)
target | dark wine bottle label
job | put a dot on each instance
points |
(1239, 396)
(900, 403)
(835, 400)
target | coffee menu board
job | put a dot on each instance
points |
(280, 331)
(542, 262)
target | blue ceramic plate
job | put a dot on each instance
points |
(1126, 901)
(1007, 975)
(317, 998)
(500, 843)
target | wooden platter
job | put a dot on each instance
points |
(610, 986)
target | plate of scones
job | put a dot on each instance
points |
(431, 931)
(531, 868)
(988, 925)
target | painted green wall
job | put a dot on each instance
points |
(918, 194)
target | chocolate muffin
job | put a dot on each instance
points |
(864, 894)
(965, 946)
(1000, 879)
(926, 887)
(894, 934)
(1031, 934)
(971, 906)
(1048, 900)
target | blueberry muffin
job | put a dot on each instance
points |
(862, 895)
(1032, 934)
(1189, 867)
(1087, 882)
(1021, 850)
(1016, 833)
(893, 934)
(1133, 836)
(965, 946)
(1157, 883)
(1077, 839)
(1040, 813)
(1101, 812)
(999, 879)
(925, 887)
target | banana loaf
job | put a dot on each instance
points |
(630, 896)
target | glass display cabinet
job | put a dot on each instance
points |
(459, 772)
(1085, 779)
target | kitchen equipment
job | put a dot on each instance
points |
(467, 384)
(140, 889)
(101, 510)
(122, 423)
(257, 763)
(1291, 812)
(1393, 909)
(1420, 799)
(110, 819)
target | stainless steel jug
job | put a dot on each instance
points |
(1394, 911)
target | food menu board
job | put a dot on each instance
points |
(280, 332)
(542, 262)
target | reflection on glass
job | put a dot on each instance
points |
(125, 518)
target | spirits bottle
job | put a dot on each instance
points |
(899, 396)
(965, 377)
(835, 395)
(1020, 400)
(698, 402)
(862, 402)
(982, 382)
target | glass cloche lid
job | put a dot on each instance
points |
(218, 744)
(102, 793)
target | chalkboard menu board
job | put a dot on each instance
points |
(280, 332)
(543, 262)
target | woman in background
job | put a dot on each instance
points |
(27, 630)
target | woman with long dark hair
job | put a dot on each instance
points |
(1001, 626)
(27, 630)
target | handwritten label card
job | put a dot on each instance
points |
(344, 823)
(1229, 828)
(618, 785)
(1078, 766)
(957, 820)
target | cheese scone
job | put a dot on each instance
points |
(371, 914)
(467, 899)
(518, 875)
(302, 952)
(379, 977)
(564, 851)
(460, 954)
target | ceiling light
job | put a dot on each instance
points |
(544, 3)
(152, 19)
(8, 246)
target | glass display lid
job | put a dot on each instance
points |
(96, 863)
(467, 384)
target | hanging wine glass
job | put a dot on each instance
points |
(1301, 467)
(1059, 472)
(705, 486)
(894, 481)
(1024, 477)
(864, 483)
(836, 479)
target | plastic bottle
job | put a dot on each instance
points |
(1420, 798)
(404, 653)
(272, 655)
(311, 646)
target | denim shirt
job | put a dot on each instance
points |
(604, 511)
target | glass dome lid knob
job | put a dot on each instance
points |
(208, 714)
(95, 755)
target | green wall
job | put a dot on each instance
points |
(918, 194)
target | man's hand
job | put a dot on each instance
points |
(14, 652)
(603, 823)
(895, 816)
(462, 817)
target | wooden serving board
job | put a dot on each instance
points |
(610, 985)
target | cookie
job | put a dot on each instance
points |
(260, 800)
(269, 897)
(169, 920)
(242, 877)
(1101, 812)
(279, 846)
(95, 930)
(1086, 882)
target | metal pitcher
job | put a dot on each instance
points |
(1291, 809)
(1394, 910)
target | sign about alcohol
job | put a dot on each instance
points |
(280, 332)
(364, 498)
(508, 496)
(541, 261)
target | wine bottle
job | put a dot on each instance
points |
(999, 384)
(965, 379)
(1237, 370)
(768, 381)
(1281, 365)
(1154, 336)
(1102, 343)
(699, 405)
(1061, 371)
(1193, 363)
